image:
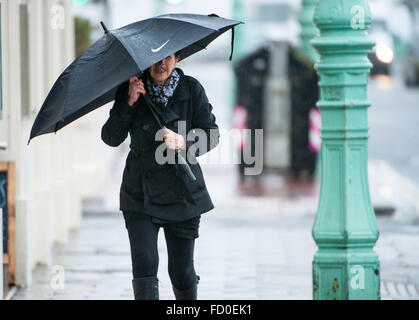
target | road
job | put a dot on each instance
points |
(394, 125)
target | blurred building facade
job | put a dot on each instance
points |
(54, 172)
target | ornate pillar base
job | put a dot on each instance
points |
(346, 274)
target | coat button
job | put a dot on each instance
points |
(146, 127)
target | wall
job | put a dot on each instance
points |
(53, 172)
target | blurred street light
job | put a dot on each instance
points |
(384, 53)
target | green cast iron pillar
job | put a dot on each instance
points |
(308, 32)
(158, 7)
(308, 28)
(345, 265)
(239, 14)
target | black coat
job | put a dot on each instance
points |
(162, 191)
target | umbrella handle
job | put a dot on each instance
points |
(182, 162)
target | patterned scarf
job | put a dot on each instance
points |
(162, 94)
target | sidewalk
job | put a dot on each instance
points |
(250, 247)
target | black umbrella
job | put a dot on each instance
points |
(93, 78)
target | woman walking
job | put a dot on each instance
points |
(153, 195)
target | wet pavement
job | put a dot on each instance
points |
(250, 247)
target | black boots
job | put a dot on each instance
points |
(146, 288)
(189, 294)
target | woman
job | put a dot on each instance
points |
(153, 195)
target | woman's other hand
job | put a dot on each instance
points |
(173, 140)
(136, 87)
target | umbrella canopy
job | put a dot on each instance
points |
(93, 78)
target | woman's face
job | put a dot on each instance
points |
(162, 70)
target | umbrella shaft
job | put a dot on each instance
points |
(183, 164)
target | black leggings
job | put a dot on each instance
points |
(145, 258)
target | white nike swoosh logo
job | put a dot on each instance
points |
(158, 49)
